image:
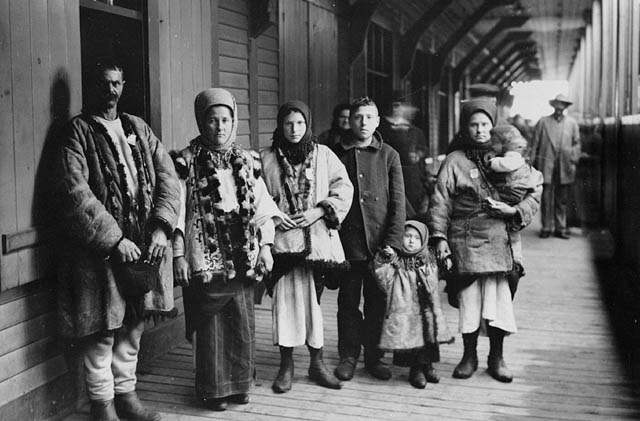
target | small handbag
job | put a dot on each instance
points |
(135, 279)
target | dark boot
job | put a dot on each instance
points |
(346, 368)
(318, 371)
(283, 380)
(129, 406)
(417, 378)
(430, 373)
(496, 366)
(469, 362)
(103, 411)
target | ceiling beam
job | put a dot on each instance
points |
(510, 70)
(511, 62)
(409, 41)
(509, 38)
(502, 25)
(467, 24)
(515, 76)
(359, 19)
(492, 67)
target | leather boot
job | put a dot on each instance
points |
(417, 378)
(318, 371)
(430, 373)
(103, 411)
(283, 380)
(346, 368)
(496, 366)
(469, 362)
(129, 406)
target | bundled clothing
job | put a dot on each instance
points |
(414, 321)
(304, 257)
(226, 217)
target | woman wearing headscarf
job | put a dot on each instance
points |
(312, 189)
(221, 248)
(471, 225)
(339, 126)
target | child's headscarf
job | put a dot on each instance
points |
(210, 98)
(424, 236)
(294, 152)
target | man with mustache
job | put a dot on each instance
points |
(118, 197)
(375, 221)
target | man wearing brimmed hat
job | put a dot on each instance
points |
(555, 151)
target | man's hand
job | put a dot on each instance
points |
(181, 271)
(265, 259)
(127, 251)
(157, 246)
(308, 217)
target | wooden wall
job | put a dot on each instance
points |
(309, 57)
(40, 87)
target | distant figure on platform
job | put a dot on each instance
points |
(470, 226)
(375, 220)
(401, 134)
(312, 190)
(222, 247)
(414, 323)
(556, 151)
(339, 126)
(119, 198)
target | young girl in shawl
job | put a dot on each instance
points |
(414, 324)
(312, 189)
(221, 247)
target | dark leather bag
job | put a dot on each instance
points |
(135, 279)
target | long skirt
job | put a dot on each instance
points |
(223, 320)
(297, 317)
(487, 301)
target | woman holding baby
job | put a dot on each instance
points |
(472, 230)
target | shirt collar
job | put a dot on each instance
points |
(376, 142)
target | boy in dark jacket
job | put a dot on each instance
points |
(375, 220)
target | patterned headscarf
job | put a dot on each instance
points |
(210, 98)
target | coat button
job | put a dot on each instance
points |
(361, 175)
(361, 199)
(376, 199)
(483, 185)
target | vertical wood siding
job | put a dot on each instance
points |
(323, 66)
(268, 84)
(294, 50)
(233, 26)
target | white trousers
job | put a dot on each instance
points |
(297, 316)
(110, 361)
(487, 301)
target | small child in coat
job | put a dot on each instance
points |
(510, 173)
(414, 324)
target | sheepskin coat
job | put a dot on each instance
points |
(91, 219)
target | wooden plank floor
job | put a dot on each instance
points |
(563, 358)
